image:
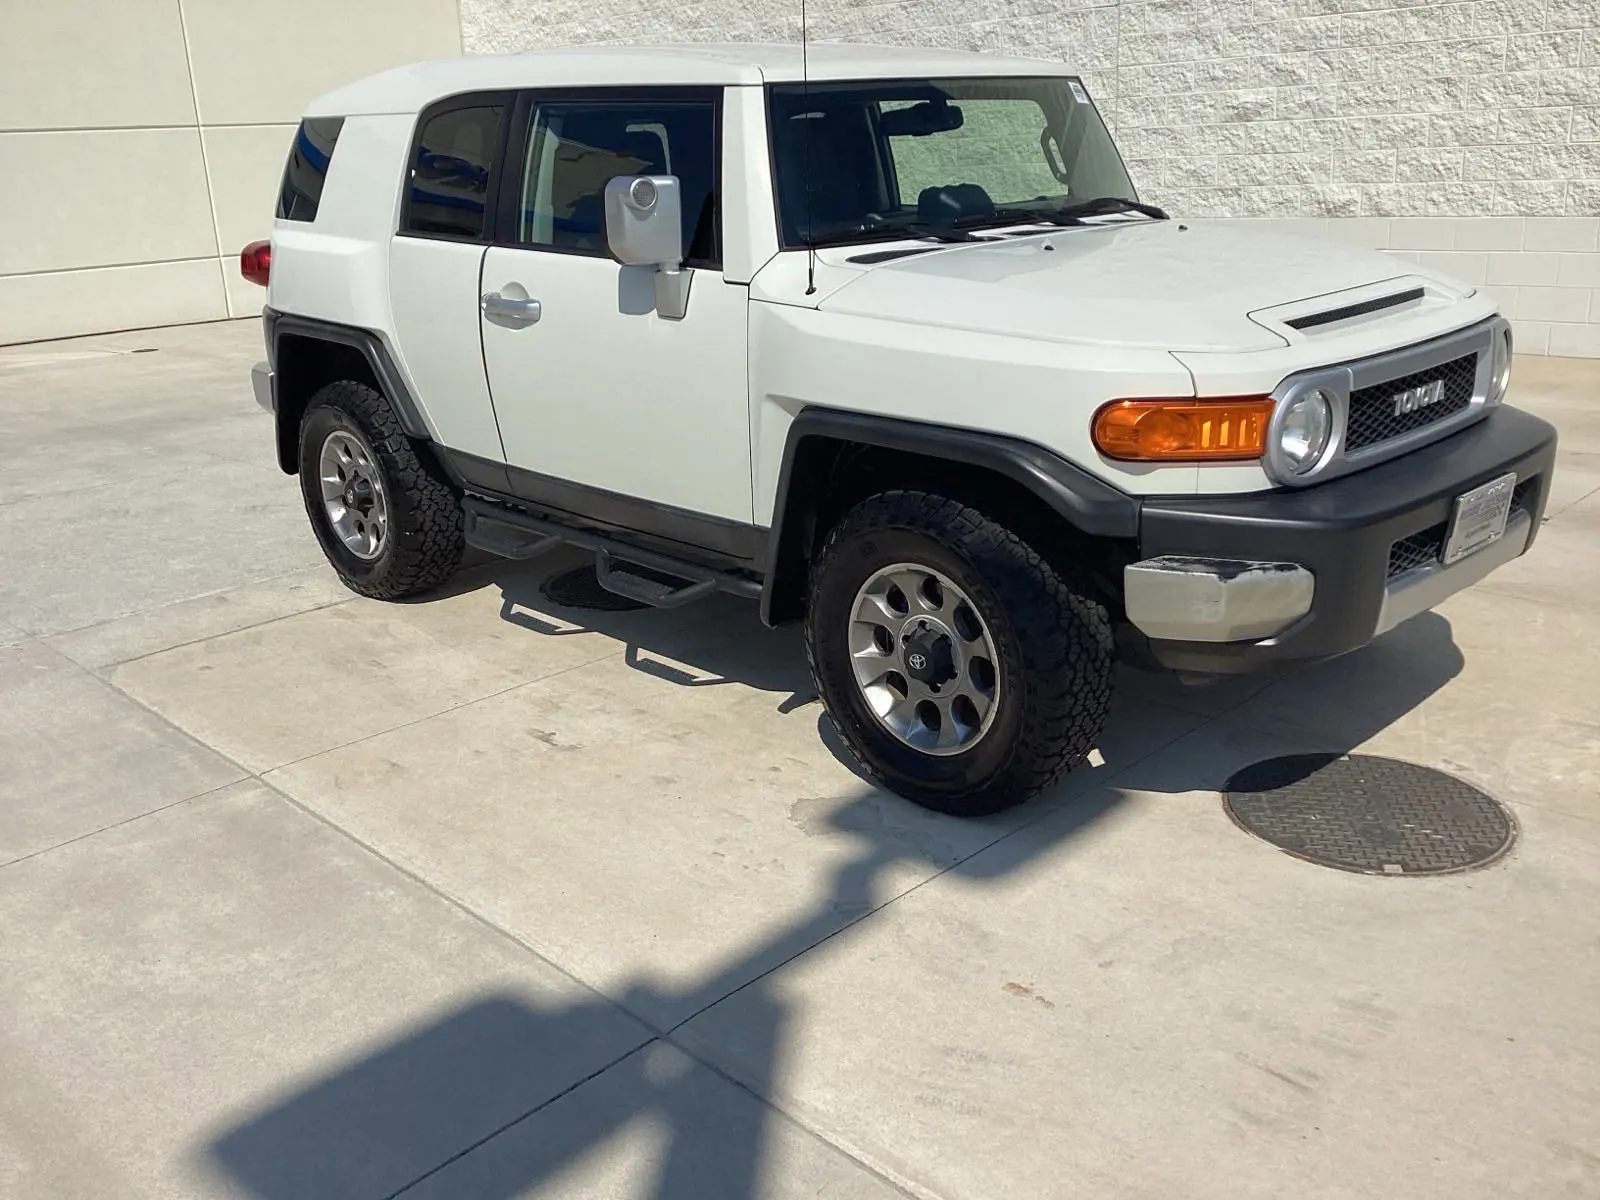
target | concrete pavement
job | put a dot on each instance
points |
(307, 896)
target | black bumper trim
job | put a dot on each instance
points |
(1342, 532)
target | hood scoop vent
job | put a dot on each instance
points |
(1360, 309)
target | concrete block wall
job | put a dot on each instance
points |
(144, 140)
(1543, 272)
(145, 137)
(1466, 134)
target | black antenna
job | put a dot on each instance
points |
(805, 103)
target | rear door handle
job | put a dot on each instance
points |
(505, 310)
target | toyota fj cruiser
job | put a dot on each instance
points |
(887, 341)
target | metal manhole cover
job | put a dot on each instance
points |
(1362, 813)
(578, 588)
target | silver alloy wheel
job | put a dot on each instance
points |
(924, 659)
(353, 495)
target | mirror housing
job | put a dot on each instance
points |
(644, 228)
(644, 220)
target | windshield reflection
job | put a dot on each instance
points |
(858, 162)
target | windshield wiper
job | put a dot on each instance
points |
(960, 229)
(891, 232)
(1102, 206)
(1067, 214)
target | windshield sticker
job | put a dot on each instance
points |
(1078, 93)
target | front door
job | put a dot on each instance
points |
(606, 408)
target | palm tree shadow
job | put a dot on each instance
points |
(503, 1098)
(485, 1101)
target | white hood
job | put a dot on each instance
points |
(1157, 284)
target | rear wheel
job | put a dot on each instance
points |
(964, 670)
(387, 518)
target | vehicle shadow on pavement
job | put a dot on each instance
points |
(1329, 707)
(719, 641)
(466, 1105)
(732, 646)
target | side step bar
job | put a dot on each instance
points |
(655, 592)
(519, 535)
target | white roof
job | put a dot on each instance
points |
(407, 89)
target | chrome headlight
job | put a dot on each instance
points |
(1500, 366)
(1304, 429)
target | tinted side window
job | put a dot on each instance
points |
(307, 168)
(448, 191)
(574, 148)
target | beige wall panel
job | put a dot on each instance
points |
(73, 64)
(99, 199)
(245, 163)
(254, 65)
(66, 303)
(245, 299)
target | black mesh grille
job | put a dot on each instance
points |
(1372, 415)
(1423, 549)
(1525, 496)
(1418, 550)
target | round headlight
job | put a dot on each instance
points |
(1304, 430)
(1500, 369)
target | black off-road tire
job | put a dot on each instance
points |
(1053, 639)
(425, 541)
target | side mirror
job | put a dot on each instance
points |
(644, 228)
(644, 220)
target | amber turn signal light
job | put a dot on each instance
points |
(1183, 430)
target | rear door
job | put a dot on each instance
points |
(435, 261)
(607, 408)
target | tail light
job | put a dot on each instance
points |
(1231, 427)
(255, 262)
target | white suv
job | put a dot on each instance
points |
(888, 343)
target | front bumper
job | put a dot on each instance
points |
(1230, 584)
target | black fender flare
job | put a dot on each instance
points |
(276, 326)
(1086, 502)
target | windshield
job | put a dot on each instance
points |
(862, 161)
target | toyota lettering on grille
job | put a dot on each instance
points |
(1422, 396)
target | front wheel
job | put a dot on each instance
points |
(388, 520)
(964, 670)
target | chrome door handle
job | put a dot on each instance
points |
(508, 310)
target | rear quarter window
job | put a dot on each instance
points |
(307, 168)
(452, 159)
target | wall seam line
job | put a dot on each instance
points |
(116, 266)
(205, 158)
(150, 128)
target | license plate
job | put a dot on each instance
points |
(1479, 518)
